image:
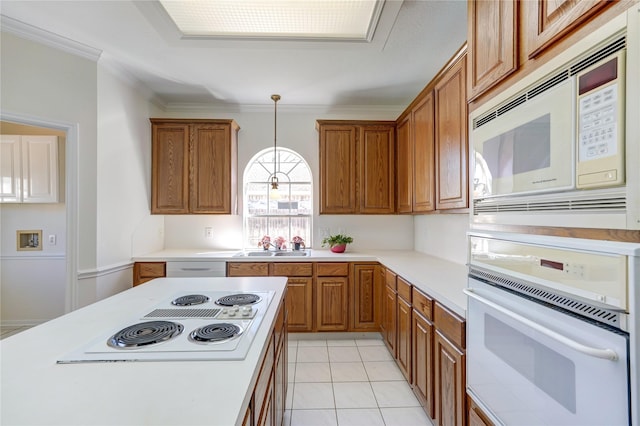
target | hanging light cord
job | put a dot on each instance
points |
(274, 178)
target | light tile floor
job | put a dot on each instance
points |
(348, 383)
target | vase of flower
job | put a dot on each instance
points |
(298, 243)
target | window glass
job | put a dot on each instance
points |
(285, 213)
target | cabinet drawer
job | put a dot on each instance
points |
(390, 279)
(423, 304)
(332, 269)
(146, 271)
(404, 289)
(292, 269)
(151, 269)
(247, 269)
(450, 325)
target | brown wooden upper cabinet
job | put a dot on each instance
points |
(451, 141)
(415, 158)
(505, 36)
(492, 43)
(357, 167)
(547, 21)
(194, 166)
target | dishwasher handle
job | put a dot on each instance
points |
(609, 354)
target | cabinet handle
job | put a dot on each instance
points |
(609, 354)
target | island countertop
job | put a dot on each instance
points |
(35, 390)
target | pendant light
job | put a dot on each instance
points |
(273, 194)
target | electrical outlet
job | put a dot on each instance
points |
(324, 232)
(52, 239)
(208, 232)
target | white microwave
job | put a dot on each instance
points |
(564, 132)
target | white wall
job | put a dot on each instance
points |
(442, 235)
(296, 130)
(124, 170)
(42, 82)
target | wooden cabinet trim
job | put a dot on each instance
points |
(450, 381)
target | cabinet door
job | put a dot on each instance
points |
(423, 156)
(389, 320)
(170, 168)
(39, 169)
(331, 303)
(450, 380)
(492, 43)
(300, 304)
(404, 166)
(404, 337)
(377, 167)
(365, 299)
(451, 139)
(214, 166)
(422, 361)
(338, 169)
(10, 169)
(547, 21)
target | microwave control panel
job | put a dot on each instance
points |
(600, 109)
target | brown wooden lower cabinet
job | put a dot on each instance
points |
(422, 361)
(300, 303)
(404, 337)
(364, 298)
(475, 416)
(146, 271)
(332, 303)
(450, 381)
(389, 309)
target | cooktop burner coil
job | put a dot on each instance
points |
(191, 299)
(213, 333)
(145, 333)
(238, 299)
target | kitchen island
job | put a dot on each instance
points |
(36, 390)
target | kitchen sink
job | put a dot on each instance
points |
(292, 253)
(258, 253)
(266, 253)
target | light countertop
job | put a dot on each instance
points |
(37, 391)
(441, 279)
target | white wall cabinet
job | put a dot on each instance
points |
(28, 169)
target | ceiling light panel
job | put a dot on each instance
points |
(290, 19)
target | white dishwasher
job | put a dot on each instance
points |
(203, 268)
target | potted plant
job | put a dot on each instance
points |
(337, 243)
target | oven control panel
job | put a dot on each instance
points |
(593, 276)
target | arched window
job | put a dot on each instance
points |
(286, 212)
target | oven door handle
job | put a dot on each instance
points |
(609, 354)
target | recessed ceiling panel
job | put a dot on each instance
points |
(288, 19)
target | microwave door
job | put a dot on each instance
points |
(529, 148)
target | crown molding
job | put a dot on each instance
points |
(29, 32)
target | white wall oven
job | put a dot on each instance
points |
(551, 329)
(559, 143)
